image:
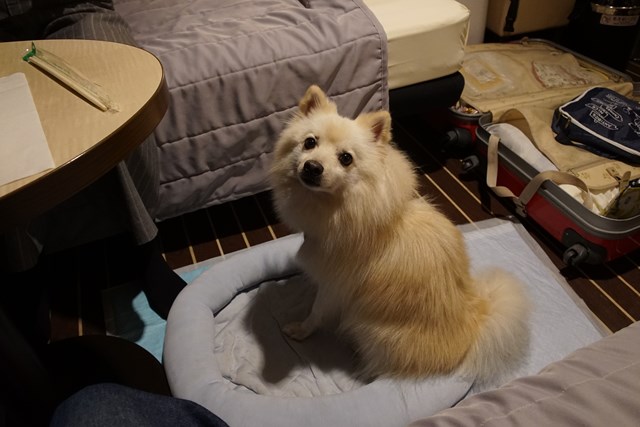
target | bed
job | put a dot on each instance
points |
(236, 70)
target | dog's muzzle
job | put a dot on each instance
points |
(311, 173)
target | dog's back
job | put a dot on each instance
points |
(414, 310)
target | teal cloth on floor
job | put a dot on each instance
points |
(128, 315)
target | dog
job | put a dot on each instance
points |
(390, 268)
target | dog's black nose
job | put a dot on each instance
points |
(312, 168)
(311, 173)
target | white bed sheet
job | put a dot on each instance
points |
(426, 38)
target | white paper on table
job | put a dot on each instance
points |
(23, 146)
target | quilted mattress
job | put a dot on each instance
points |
(236, 71)
(426, 39)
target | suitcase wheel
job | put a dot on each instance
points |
(457, 142)
(576, 254)
(580, 250)
(469, 163)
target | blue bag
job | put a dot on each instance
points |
(601, 121)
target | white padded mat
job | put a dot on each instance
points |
(426, 39)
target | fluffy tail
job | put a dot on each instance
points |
(504, 333)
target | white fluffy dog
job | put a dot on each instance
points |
(390, 268)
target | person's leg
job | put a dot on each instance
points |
(107, 405)
(88, 20)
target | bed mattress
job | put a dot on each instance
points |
(426, 39)
(235, 71)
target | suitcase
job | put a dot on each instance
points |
(511, 17)
(586, 236)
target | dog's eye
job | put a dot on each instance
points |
(310, 142)
(345, 159)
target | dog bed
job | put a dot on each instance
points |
(224, 350)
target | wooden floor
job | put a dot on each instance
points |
(611, 291)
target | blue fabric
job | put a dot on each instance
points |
(601, 121)
(109, 405)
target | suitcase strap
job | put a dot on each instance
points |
(532, 186)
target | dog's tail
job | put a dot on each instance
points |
(504, 333)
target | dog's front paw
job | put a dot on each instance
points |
(297, 330)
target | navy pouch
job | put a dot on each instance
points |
(601, 121)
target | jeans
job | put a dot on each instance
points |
(108, 405)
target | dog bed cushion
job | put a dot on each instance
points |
(224, 348)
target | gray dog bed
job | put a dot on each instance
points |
(224, 349)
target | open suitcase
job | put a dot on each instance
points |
(502, 87)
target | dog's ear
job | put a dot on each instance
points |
(315, 99)
(379, 123)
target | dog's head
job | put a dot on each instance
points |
(334, 173)
(325, 152)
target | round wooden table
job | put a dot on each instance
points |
(85, 142)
